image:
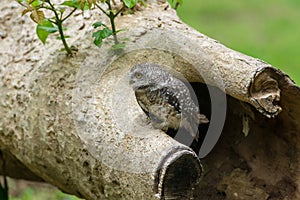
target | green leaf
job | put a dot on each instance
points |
(44, 29)
(106, 32)
(48, 29)
(98, 24)
(36, 3)
(130, 3)
(75, 4)
(98, 39)
(100, 35)
(69, 3)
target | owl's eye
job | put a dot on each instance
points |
(138, 75)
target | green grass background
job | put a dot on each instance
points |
(265, 29)
(42, 194)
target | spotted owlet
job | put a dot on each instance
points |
(165, 99)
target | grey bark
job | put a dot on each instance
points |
(74, 121)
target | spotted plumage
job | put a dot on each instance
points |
(165, 99)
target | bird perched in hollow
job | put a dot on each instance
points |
(165, 99)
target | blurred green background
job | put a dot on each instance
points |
(265, 29)
(27, 190)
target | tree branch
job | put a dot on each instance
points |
(74, 122)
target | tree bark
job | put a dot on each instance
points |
(74, 121)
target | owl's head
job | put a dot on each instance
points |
(147, 75)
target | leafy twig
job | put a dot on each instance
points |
(104, 33)
(49, 25)
(58, 23)
(46, 26)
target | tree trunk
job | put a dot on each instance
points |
(74, 121)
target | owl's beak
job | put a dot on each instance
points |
(131, 82)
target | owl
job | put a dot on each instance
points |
(165, 99)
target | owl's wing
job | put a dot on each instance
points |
(143, 100)
(160, 96)
(161, 106)
(168, 95)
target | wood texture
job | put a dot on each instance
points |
(74, 121)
